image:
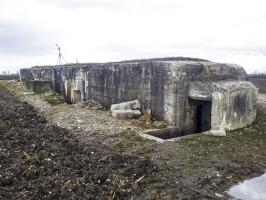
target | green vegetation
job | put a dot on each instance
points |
(52, 98)
(13, 85)
(145, 150)
(130, 135)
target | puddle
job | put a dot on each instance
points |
(253, 189)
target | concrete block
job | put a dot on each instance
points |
(126, 114)
(129, 105)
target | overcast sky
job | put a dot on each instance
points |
(232, 31)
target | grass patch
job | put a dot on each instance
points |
(130, 135)
(117, 148)
(52, 98)
(13, 85)
(145, 150)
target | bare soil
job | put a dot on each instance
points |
(42, 161)
(197, 167)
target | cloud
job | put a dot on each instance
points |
(74, 4)
(117, 4)
(22, 40)
(106, 30)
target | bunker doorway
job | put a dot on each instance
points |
(202, 115)
(199, 121)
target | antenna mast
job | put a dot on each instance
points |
(60, 56)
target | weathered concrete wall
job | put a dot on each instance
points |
(234, 106)
(233, 102)
(154, 84)
(38, 86)
(163, 87)
(36, 74)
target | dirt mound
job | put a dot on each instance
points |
(42, 161)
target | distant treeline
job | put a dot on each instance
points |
(259, 80)
(9, 77)
(257, 75)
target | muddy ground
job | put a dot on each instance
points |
(128, 166)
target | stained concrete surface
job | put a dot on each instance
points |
(38, 86)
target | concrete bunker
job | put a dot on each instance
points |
(192, 95)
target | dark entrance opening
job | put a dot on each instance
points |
(200, 116)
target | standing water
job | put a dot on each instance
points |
(253, 189)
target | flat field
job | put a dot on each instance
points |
(74, 152)
(259, 83)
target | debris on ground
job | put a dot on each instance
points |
(160, 124)
(52, 98)
(90, 104)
